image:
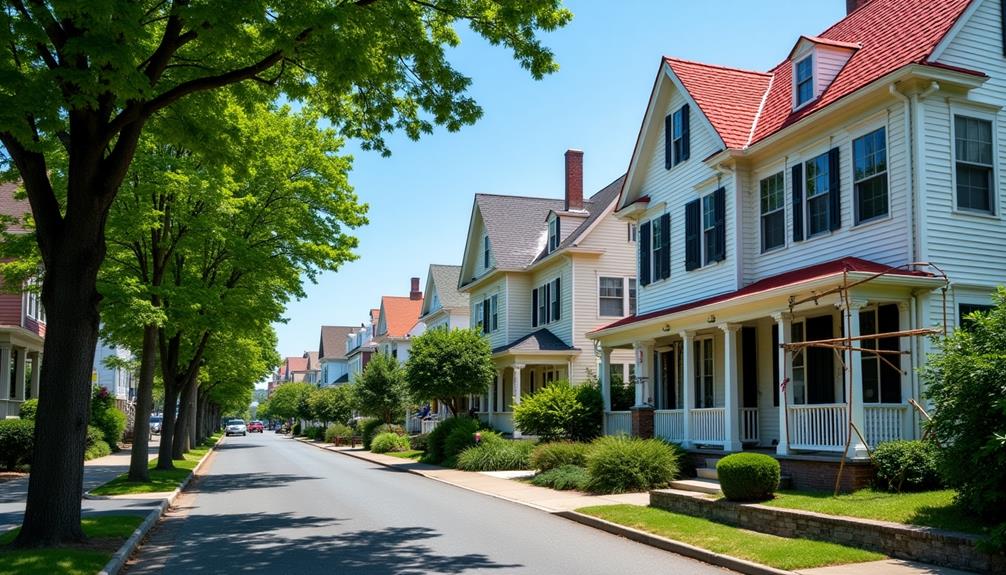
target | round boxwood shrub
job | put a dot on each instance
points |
(389, 441)
(563, 478)
(748, 476)
(548, 456)
(494, 453)
(907, 465)
(17, 439)
(617, 464)
(28, 409)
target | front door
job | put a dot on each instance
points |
(749, 373)
(820, 361)
(668, 380)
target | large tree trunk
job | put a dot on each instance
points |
(167, 425)
(200, 417)
(180, 444)
(138, 459)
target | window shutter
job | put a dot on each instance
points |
(644, 253)
(668, 141)
(558, 300)
(686, 132)
(485, 316)
(548, 301)
(797, 203)
(834, 190)
(534, 307)
(693, 241)
(720, 207)
(665, 246)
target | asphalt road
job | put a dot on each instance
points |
(274, 505)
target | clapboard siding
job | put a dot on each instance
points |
(10, 308)
(496, 338)
(561, 268)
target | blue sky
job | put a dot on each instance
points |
(421, 197)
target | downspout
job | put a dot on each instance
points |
(910, 171)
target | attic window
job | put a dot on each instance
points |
(804, 75)
(485, 252)
(553, 234)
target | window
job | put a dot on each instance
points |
(659, 244)
(804, 81)
(632, 296)
(553, 234)
(773, 212)
(799, 379)
(818, 203)
(554, 300)
(869, 175)
(610, 297)
(705, 230)
(710, 248)
(973, 156)
(703, 373)
(540, 297)
(479, 318)
(632, 232)
(966, 309)
(494, 312)
(676, 137)
(881, 380)
(485, 252)
(546, 303)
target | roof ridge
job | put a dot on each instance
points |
(761, 108)
(720, 66)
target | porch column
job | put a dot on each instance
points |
(731, 389)
(36, 371)
(905, 363)
(644, 372)
(5, 373)
(854, 383)
(637, 353)
(18, 382)
(687, 384)
(605, 374)
(516, 392)
(784, 324)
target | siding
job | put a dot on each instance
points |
(828, 63)
(563, 329)
(10, 309)
(496, 338)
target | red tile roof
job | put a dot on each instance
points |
(400, 314)
(890, 34)
(790, 278)
(296, 364)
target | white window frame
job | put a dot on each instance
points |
(494, 310)
(867, 130)
(677, 135)
(478, 315)
(977, 114)
(622, 298)
(805, 205)
(706, 256)
(704, 377)
(799, 362)
(877, 363)
(555, 301)
(654, 250)
(553, 234)
(632, 294)
(797, 104)
(761, 214)
(633, 230)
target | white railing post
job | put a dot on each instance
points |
(731, 389)
(854, 384)
(606, 377)
(687, 385)
(905, 343)
(516, 392)
(783, 322)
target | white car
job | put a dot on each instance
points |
(236, 427)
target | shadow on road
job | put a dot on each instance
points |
(223, 482)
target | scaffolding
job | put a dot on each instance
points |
(844, 346)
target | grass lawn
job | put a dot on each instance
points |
(160, 480)
(779, 552)
(105, 532)
(928, 509)
(413, 454)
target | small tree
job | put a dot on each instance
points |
(290, 401)
(561, 411)
(447, 365)
(966, 385)
(380, 389)
(332, 404)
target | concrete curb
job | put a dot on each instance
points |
(739, 565)
(118, 560)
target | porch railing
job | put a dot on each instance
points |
(669, 424)
(429, 425)
(884, 422)
(485, 417)
(618, 423)
(708, 424)
(413, 424)
(821, 427)
(749, 424)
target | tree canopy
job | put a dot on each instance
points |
(447, 365)
(380, 388)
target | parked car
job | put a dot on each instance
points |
(255, 427)
(155, 424)
(236, 427)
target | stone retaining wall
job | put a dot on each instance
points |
(812, 473)
(936, 546)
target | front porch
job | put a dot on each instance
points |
(20, 365)
(514, 381)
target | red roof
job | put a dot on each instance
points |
(296, 364)
(745, 107)
(400, 314)
(790, 278)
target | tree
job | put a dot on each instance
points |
(290, 400)
(380, 388)
(447, 365)
(90, 75)
(561, 411)
(332, 404)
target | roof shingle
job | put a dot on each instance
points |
(400, 314)
(333, 341)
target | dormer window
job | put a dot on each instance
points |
(553, 234)
(485, 251)
(804, 75)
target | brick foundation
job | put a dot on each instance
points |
(642, 422)
(809, 472)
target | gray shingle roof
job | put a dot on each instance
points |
(333, 341)
(541, 340)
(445, 280)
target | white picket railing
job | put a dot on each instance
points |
(413, 424)
(820, 427)
(618, 423)
(669, 424)
(429, 425)
(749, 424)
(708, 424)
(884, 422)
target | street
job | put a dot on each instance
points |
(269, 504)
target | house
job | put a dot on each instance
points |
(312, 368)
(444, 306)
(22, 324)
(398, 322)
(294, 369)
(539, 274)
(332, 354)
(112, 371)
(360, 345)
(786, 206)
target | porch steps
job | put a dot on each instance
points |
(697, 485)
(707, 473)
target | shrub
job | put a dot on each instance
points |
(106, 417)
(548, 456)
(618, 464)
(563, 478)
(16, 442)
(461, 437)
(94, 435)
(28, 409)
(686, 467)
(419, 442)
(98, 449)
(368, 429)
(315, 432)
(337, 431)
(388, 441)
(295, 430)
(907, 465)
(496, 454)
(437, 438)
(748, 476)
(561, 411)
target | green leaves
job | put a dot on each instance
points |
(380, 388)
(449, 364)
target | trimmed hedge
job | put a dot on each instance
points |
(548, 456)
(496, 454)
(907, 465)
(28, 409)
(618, 464)
(461, 437)
(389, 441)
(748, 476)
(17, 439)
(563, 478)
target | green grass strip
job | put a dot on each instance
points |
(110, 529)
(413, 454)
(161, 480)
(778, 552)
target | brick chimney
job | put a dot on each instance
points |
(852, 5)
(574, 180)
(415, 294)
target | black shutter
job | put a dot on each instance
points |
(685, 133)
(485, 316)
(797, 185)
(548, 301)
(643, 238)
(665, 246)
(693, 242)
(720, 209)
(534, 307)
(558, 300)
(668, 141)
(834, 190)
(558, 232)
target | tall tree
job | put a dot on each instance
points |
(90, 75)
(447, 365)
